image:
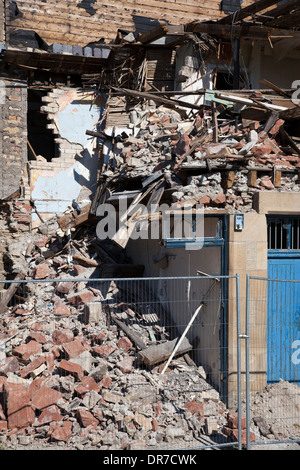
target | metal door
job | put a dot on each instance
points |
(283, 332)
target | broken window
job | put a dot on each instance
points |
(40, 138)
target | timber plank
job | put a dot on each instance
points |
(161, 352)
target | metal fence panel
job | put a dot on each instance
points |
(119, 364)
(273, 360)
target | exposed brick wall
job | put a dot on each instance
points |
(2, 22)
(13, 134)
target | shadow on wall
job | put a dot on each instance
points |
(87, 5)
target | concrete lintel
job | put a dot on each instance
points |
(274, 202)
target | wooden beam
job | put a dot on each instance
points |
(10, 292)
(245, 30)
(248, 11)
(160, 352)
(73, 220)
(153, 34)
(137, 340)
(278, 11)
(158, 99)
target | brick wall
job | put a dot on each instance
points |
(2, 23)
(13, 135)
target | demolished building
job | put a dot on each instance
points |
(194, 110)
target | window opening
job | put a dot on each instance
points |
(284, 233)
(40, 139)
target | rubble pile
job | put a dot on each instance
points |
(70, 375)
(220, 162)
(275, 411)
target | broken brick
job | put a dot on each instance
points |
(60, 431)
(45, 397)
(25, 351)
(60, 308)
(48, 415)
(86, 418)
(68, 367)
(74, 348)
(78, 298)
(125, 344)
(103, 351)
(42, 271)
(62, 336)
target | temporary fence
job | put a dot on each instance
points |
(143, 363)
(272, 361)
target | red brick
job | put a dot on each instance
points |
(90, 384)
(42, 271)
(204, 200)
(79, 298)
(45, 397)
(220, 199)
(106, 381)
(232, 420)
(73, 348)
(37, 336)
(154, 425)
(3, 425)
(276, 127)
(77, 269)
(71, 368)
(86, 418)
(266, 183)
(48, 415)
(60, 308)
(19, 412)
(64, 287)
(98, 339)
(41, 241)
(81, 390)
(60, 431)
(26, 371)
(261, 150)
(25, 351)
(62, 336)
(35, 385)
(103, 351)
(194, 407)
(125, 344)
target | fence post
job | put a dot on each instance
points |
(238, 322)
(247, 364)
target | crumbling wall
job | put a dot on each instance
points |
(55, 183)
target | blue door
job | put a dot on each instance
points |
(283, 332)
